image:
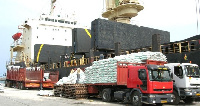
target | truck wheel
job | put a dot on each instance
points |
(176, 98)
(22, 86)
(17, 85)
(106, 95)
(188, 100)
(6, 83)
(136, 99)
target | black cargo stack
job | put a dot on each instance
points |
(106, 33)
(81, 40)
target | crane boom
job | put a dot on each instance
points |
(52, 6)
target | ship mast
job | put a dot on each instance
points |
(122, 10)
(52, 7)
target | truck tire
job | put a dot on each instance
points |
(106, 95)
(22, 86)
(176, 98)
(6, 83)
(17, 85)
(188, 100)
(136, 99)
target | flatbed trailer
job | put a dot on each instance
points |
(51, 79)
(22, 78)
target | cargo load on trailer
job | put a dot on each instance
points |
(105, 71)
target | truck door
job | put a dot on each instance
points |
(143, 77)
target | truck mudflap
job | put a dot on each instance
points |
(157, 98)
(191, 92)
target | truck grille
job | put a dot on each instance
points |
(195, 84)
(162, 89)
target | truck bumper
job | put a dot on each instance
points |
(192, 92)
(158, 98)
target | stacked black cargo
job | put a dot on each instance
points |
(106, 33)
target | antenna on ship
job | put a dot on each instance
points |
(52, 6)
(198, 14)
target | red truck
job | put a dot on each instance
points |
(137, 83)
(22, 78)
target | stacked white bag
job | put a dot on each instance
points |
(72, 78)
(105, 71)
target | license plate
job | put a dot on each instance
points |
(163, 101)
(198, 94)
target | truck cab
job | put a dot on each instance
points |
(150, 83)
(186, 77)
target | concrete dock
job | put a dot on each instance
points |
(16, 97)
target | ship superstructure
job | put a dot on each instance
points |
(51, 29)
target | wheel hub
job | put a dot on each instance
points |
(135, 98)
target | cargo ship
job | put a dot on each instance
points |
(55, 44)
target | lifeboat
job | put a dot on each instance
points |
(16, 36)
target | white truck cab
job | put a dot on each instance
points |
(186, 77)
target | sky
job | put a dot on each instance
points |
(175, 16)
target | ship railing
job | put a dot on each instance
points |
(16, 43)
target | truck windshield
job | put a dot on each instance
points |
(159, 75)
(192, 71)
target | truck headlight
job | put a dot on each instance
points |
(152, 96)
(187, 90)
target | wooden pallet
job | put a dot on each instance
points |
(75, 91)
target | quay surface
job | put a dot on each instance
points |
(16, 97)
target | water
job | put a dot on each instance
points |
(3, 82)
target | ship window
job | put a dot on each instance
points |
(55, 20)
(49, 19)
(65, 39)
(65, 30)
(67, 22)
(25, 21)
(37, 36)
(52, 20)
(53, 38)
(46, 19)
(72, 23)
(61, 21)
(37, 27)
(28, 47)
(58, 29)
